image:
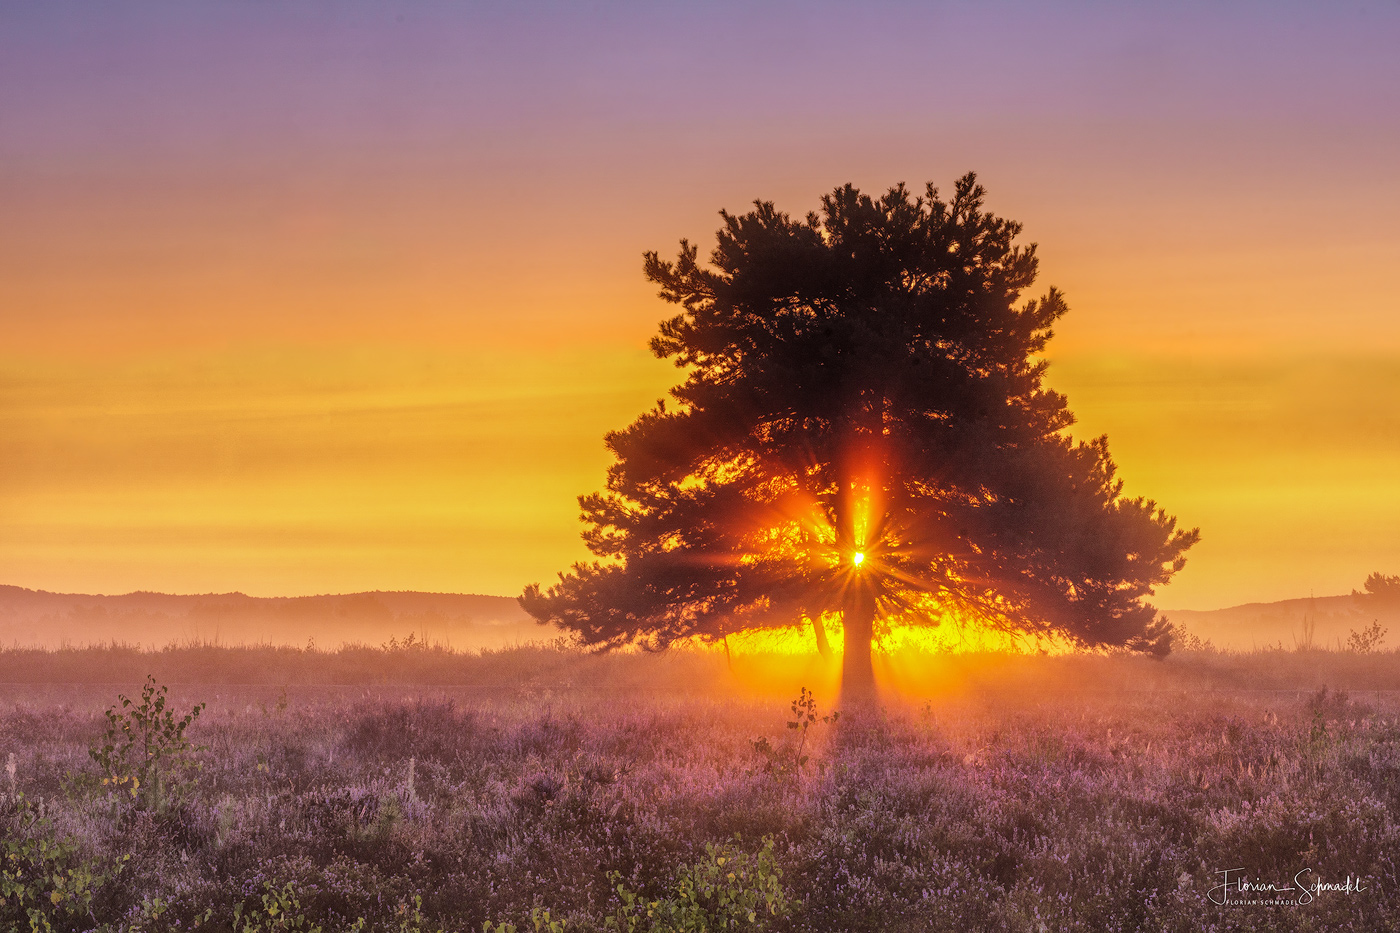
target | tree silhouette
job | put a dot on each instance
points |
(1382, 591)
(863, 431)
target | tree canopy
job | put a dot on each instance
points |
(863, 429)
(1382, 590)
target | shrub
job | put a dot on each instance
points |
(727, 890)
(782, 762)
(146, 752)
(280, 911)
(46, 884)
(1367, 639)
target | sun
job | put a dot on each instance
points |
(858, 558)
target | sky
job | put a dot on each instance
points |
(330, 297)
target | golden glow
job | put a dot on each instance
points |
(795, 640)
(467, 360)
(949, 637)
(1287, 464)
(858, 558)
(299, 472)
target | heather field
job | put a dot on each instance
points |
(411, 789)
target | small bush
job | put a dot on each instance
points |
(727, 890)
(46, 883)
(146, 753)
(787, 761)
(1367, 639)
(280, 911)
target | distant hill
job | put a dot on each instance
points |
(1262, 625)
(41, 619)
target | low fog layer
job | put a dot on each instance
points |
(34, 618)
(1322, 622)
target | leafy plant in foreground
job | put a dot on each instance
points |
(787, 761)
(729, 889)
(46, 884)
(148, 917)
(541, 921)
(280, 911)
(410, 919)
(145, 751)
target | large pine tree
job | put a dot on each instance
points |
(863, 430)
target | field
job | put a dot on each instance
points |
(413, 789)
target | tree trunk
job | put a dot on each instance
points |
(818, 629)
(858, 620)
(855, 515)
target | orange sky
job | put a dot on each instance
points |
(355, 313)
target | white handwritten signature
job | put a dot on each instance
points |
(1268, 890)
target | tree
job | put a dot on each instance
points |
(1382, 591)
(863, 430)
